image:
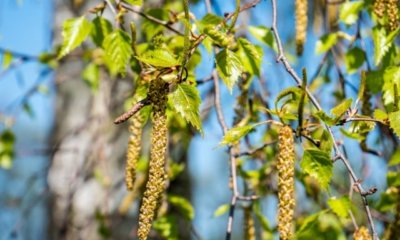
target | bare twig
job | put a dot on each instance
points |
(111, 6)
(251, 152)
(281, 58)
(136, 108)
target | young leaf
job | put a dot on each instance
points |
(158, 58)
(394, 119)
(391, 79)
(91, 76)
(229, 67)
(250, 56)
(380, 115)
(340, 109)
(7, 140)
(7, 59)
(349, 11)
(340, 206)
(221, 210)
(118, 51)
(354, 59)
(134, 2)
(395, 159)
(309, 222)
(74, 32)
(319, 165)
(186, 101)
(101, 28)
(326, 42)
(264, 35)
(235, 134)
(321, 115)
(183, 205)
(382, 42)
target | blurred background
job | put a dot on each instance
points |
(64, 178)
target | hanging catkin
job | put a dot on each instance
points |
(301, 25)
(133, 152)
(286, 194)
(379, 8)
(393, 13)
(362, 234)
(249, 229)
(156, 180)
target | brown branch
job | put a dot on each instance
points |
(281, 58)
(253, 151)
(136, 108)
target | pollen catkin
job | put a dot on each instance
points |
(362, 234)
(286, 194)
(249, 229)
(301, 25)
(393, 13)
(133, 152)
(156, 180)
(379, 8)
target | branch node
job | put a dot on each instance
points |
(136, 108)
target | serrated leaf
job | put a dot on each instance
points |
(330, 121)
(264, 35)
(340, 109)
(221, 210)
(118, 51)
(382, 42)
(186, 101)
(229, 67)
(391, 78)
(91, 76)
(158, 58)
(101, 29)
(354, 59)
(349, 11)
(251, 56)
(326, 42)
(340, 206)
(293, 92)
(233, 135)
(358, 129)
(183, 205)
(75, 31)
(319, 165)
(134, 2)
(7, 59)
(394, 119)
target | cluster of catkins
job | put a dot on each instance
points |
(392, 10)
(286, 193)
(301, 25)
(362, 234)
(156, 179)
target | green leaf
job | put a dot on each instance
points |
(340, 109)
(158, 58)
(209, 20)
(349, 11)
(358, 129)
(395, 159)
(134, 2)
(167, 227)
(118, 51)
(251, 56)
(382, 42)
(183, 205)
(380, 115)
(221, 210)
(101, 29)
(91, 76)
(264, 35)
(326, 42)
(330, 121)
(294, 93)
(340, 206)
(7, 59)
(374, 81)
(309, 222)
(186, 101)
(229, 67)
(7, 141)
(394, 119)
(75, 31)
(393, 178)
(391, 78)
(319, 165)
(235, 134)
(354, 59)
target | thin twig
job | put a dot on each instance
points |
(111, 6)
(251, 152)
(289, 69)
(136, 108)
(163, 23)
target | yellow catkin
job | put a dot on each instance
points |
(249, 229)
(156, 180)
(286, 193)
(393, 13)
(301, 25)
(394, 229)
(133, 152)
(379, 8)
(362, 234)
